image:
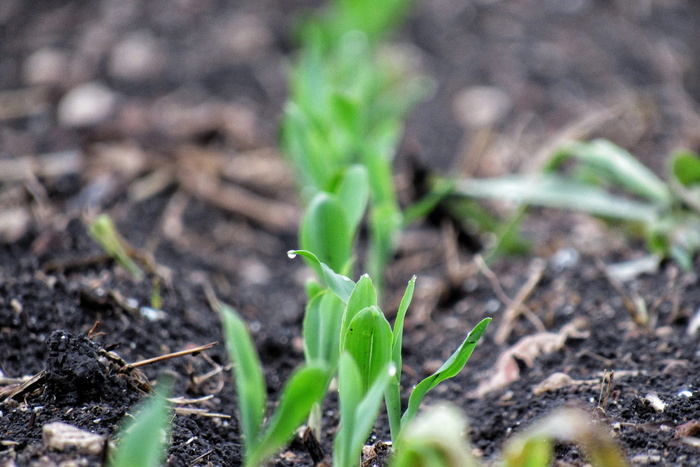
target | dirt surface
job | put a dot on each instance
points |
(165, 114)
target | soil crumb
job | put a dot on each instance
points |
(75, 373)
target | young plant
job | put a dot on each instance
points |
(436, 439)
(303, 390)
(366, 335)
(144, 439)
(345, 110)
(535, 446)
(104, 232)
(668, 212)
(332, 218)
(359, 405)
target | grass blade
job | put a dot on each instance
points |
(341, 285)
(250, 383)
(366, 412)
(618, 166)
(393, 392)
(358, 409)
(322, 324)
(144, 438)
(350, 394)
(449, 369)
(397, 335)
(305, 388)
(104, 232)
(556, 192)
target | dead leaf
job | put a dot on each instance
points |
(525, 350)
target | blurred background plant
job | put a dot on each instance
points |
(349, 94)
(604, 180)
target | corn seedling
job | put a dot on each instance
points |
(535, 446)
(363, 332)
(436, 439)
(332, 218)
(144, 439)
(104, 232)
(359, 405)
(304, 389)
(342, 126)
(668, 212)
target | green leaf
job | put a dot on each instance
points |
(350, 394)
(368, 340)
(534, 452)
(250, 383)
(449, 369)
(312, 166)
(358, 409)
(372, 18)
(305, 388)
(439, 190)
(617, 165)
(436, 438)
(397, 335)
(385, 223)
(143, 439)
(555, 192)
(363, 295)
(322, 324)
(366, 412)
(393, 392)
(685, 166)
(353, 194)
(104, 232)
(346, 115)
(341, 285)
(534, 447)
(325, 231)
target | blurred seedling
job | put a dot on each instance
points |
(143, 440)
(436, 439)
(342, 127)
(602, 179)
(105, 233)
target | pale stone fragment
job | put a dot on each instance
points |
(61, 436)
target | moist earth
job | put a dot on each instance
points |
(202, 111)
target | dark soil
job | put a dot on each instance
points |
(182, 156)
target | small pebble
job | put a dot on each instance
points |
(481, 106)
(138, 56)
(86, 105)
(61, 436)
(45, 66)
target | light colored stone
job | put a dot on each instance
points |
(246, 36)
(481, 106)
(61, 436)
(85, 105)
(45, 66)
(138, 56)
